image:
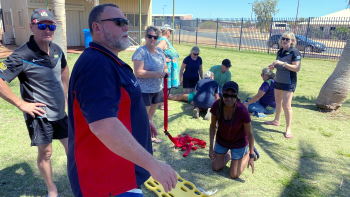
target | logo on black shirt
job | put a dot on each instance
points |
(2, 66)
(39, 60)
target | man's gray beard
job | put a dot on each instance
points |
(121, 44)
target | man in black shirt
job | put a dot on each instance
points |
(42, 70)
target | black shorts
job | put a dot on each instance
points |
(189, 83)
(152, 98)
(42, 131)
(285, 87)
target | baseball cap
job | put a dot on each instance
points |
(226, 62)
(166, 27)
(230, 85)
(40, 15)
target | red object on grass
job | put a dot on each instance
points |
(185, 142)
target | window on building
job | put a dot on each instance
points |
(7, 18)
(20, 18)
(321, 28)
(332, 28)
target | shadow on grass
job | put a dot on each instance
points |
(305, 103)
(19, 180)
(302, 182)
(196, 167)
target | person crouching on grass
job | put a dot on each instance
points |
(231, 127)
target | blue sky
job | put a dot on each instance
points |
(242, 8)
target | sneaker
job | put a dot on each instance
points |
(195, 113)
(207, 116)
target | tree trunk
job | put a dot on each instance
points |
(335, 90)
(59, 8)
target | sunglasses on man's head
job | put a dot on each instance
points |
(195, 54)
(286, 39)
(229, 95)
(121, 22)
(152, 36)
(42, 26)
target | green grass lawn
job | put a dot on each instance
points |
(315, 162)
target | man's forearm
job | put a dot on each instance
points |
(114, 135)
(7, 94)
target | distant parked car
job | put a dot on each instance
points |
(303, 43)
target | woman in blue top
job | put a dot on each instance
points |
(264, 100)
(287, 65)
(171, 56)
(149, 68)
(191, 70)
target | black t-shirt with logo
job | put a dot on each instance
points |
(39, 75)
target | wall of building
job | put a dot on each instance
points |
(77, 12)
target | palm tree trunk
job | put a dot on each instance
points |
(335, 90)
(60, 33)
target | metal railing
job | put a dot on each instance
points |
(317, 37)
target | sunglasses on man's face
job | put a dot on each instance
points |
(195, 54)
(286, 39)
(42, 26)
(152, 36)
(229, 95)
(121, 22)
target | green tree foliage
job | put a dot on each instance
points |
(264, 10)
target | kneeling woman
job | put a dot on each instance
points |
(230, 124)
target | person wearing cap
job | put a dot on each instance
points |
(171, 55)
(110, 148)
(222, 74)
(231, 127)
(205, 94)
(264, 101)
(287, 64)
(191, 70)
(42, 70)
(150, 69)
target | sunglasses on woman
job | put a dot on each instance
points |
(195, 54)
(229, 95)
(42, 26)
(152, 37)
(121, 22)
(286, 39)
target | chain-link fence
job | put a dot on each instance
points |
(316, 37)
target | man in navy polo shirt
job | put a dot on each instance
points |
(110, 149)
(42, 70)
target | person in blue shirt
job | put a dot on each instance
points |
(264, 100)
(110, 149)
(150, 69)
(191, 70)
(205, 94)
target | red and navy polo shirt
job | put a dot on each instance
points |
(103, 86)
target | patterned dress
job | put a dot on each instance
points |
(173, 66)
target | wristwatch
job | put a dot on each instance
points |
(252, 156)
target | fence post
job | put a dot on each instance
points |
(240, 35)
(268, 47)
(217, 28)
(180, 32)
(307, 32)
(197, 31)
